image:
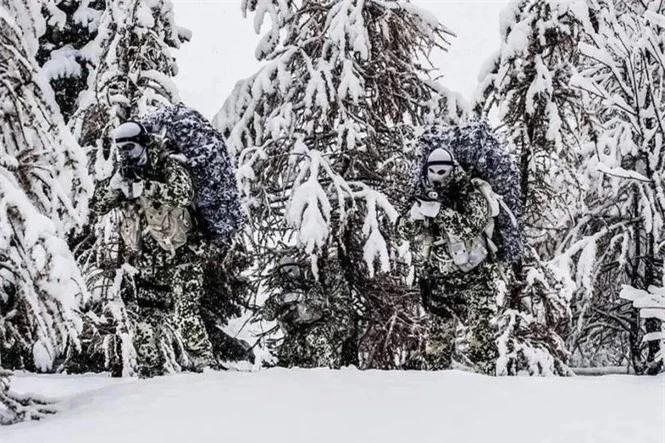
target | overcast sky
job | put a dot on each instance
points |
(222, 48)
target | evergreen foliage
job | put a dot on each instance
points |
(44, 188)
(543, 123)
(618, 238)
(320, 140)
(67, 48)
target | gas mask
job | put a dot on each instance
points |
(289, 269)
(440, 167)
(132, 153)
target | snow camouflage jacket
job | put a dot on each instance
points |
(216, 197)
(479, 153)
(167, 187)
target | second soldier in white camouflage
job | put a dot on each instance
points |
(451, 222)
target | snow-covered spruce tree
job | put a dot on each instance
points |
(44, 188)
(319, 137)
(618, 240)
(134, 71)
(67, 48)
(541, 115)
(542, 122)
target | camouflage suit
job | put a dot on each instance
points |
(317, 330)
(160, 241)
(454, 295)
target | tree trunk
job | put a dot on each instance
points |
(635, 343)
(653, 366)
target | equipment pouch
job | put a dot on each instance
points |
(466, 257)
(458, 251)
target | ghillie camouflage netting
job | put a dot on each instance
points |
(216, 195)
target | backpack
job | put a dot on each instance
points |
(479, 153)
(190, 135)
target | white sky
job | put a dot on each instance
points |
(222, 48)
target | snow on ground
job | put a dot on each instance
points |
(59, 386)
(319, 406)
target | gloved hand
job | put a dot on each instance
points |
(425, 208)
(131, 189)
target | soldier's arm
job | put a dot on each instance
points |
(105, 198)
(176, 191)
(468, 223)
(416, 234)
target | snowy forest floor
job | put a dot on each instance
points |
(317, 406)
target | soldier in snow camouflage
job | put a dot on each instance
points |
(153, 190)
(480, 154)
(316, 329)
(450, 222)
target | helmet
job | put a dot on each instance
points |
(131, 139)
(289, 268)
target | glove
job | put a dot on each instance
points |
(425, 208)
(131, 189)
